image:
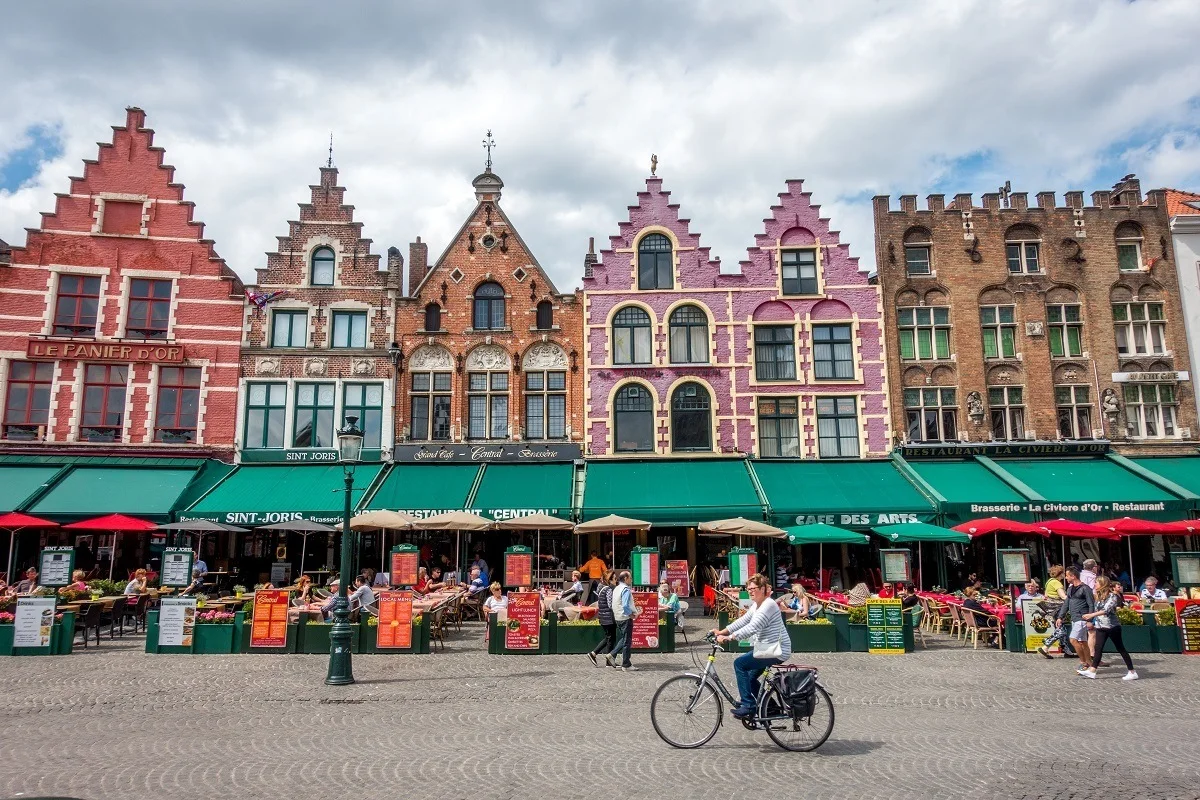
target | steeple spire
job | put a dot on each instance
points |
(488, 144)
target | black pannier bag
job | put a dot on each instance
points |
(798, 688)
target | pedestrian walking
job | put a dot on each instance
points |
(1080, 601)
(604, 615)
(624, 610)
(1108, 628)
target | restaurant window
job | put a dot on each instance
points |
(349, 329)
(313, 425)
(689, 335)
(103, 402)
(433, 317)
(778, 427)
(655, 262)
(1065, 327)
(799, 271)
(489, 307)
(177, 410)
(1073, 405)
(76, 305)
(322, 266)
(1140, 328)
(833, 352)
(924, 333)
(365, 401)
(691, 418)
(774, 353)
(545, 315)
(631, 336)
(1022, 250)
(289, 328)
(917, 252)
(1129, 247)
(545, 405)
(487, 405)
(837, 427)
(931, 414)
(27, 404)
(1150, 410)
(431, 406)
(633, 420)
(999, 331)
(149, 309)
(266, 415)
(1008, 412)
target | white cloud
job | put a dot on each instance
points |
(856, 97)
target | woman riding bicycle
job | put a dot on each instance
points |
(764, 625)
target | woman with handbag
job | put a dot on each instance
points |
(763, 625)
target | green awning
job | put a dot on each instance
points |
(261, 494)
(17, 484)
(148, 493)
(426, 489)
(1181, 470)
(848, 494)
(671, 492)
(516, 490)
(820, 533)
(920, 532)
(972, 491)
(1087, 489)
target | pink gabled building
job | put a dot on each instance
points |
(781, 358)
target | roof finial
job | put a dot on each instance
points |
(488, 144)
(653, 163)
(329, 163)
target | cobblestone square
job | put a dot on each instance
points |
(114, 722)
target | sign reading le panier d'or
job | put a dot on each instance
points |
(117, 352)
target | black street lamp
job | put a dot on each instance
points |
(350, 442)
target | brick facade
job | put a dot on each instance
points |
(716, 372)
(976, 270)
(328, 332)
(486, 253)
(123, 230)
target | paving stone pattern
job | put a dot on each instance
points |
(947, 722)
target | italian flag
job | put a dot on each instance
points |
(741, 567)
(643, 569)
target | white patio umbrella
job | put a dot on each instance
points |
(457, 521)
(611, 524)
(536, 522)
(303, 527)
(381, 520)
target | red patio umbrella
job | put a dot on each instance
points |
(1130, 527)
(114, 524)
(990, 525)
(1183, 527)
(13, 522)
(1070, 529)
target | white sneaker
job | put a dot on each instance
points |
(1130, 676)
(1087, 673)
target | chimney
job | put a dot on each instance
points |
(1129, 191)
(395, 268)
(418, 265)
(1074, 199)
(963, 202)
(1019, 201)
(936, 202)
(5, 253)
(589, 261)
(1045, 200)
(908, 203)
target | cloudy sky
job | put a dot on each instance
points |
(859, 98)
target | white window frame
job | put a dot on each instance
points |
(1023, 256)
(1140, 412)
(1081, 433)
(1154, 331)
(1012, 412)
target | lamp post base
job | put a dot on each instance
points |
(340, 671)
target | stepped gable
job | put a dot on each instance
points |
(796, 220)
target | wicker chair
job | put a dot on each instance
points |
(973, 630)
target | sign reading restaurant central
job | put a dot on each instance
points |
(48, 350)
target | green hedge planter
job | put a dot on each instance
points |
(813, 638)
(576, 639)
(314, 639)
(62, 638)
(858, 638)
(242, 640)
(1137, 638)
(213, 639)
(367, 638)
(1168, 639)
(6, 640)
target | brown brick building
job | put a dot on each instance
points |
(491, 348)
(1011, 322)
(318, 351)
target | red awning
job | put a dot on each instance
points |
(990, 525)
(14, 519)
(1078, 530)
(113, 523)
(1128, 526)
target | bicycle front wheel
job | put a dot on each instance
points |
(798, 734)
(686, 712)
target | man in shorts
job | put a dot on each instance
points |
(1080, 601)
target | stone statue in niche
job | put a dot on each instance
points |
(316, 367)
(431, 357)
(975, 407)
(488, 357)
(267, 366)
(544, 356)
(1109, 403)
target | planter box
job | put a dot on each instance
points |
(841, 629)
(813, 638)
(420, 637)
(496, 639)
(1167, 639)
(576, 639)
(62, 636)
(293, 639)
(6, 639)
(213, 639)
(858, 638)
(1138, 639)
(314, 639)
(1014, 634)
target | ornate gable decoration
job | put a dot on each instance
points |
(546, 355)
(431, 357)
(488, 357)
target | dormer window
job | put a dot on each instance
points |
(433, 317)
(799, 272)
(1129, 247)
(489, 307)
(655, 263)
(322, 266)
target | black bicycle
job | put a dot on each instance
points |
(792, 706)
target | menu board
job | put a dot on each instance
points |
(176, 566)
(405, 560)
(1038, 624)
(34, 621)
(895, 565)
(281, 572)
(1014, 566)
(1187, 613)
(645, 624)
(518, 567)
(57, 564)
(644, 563)
(1187, 568)
(395, 620)
(523, 630)
(885, 626)
(677, 577)
(176, 621)
(269, 628)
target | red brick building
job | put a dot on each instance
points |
(121, 325)
(492, 349)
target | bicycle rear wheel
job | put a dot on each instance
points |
(802, 734)
(685, 712)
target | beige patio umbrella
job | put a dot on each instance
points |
(539, 523)
(740, 526)
(611, 524)
(457, 521)
(382, 521)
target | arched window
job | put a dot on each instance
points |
(433, 317)
(633, 420)
(1129, 246)
(1023, 249)
(691, 418)
(918, 246)
(489, 307)
(545, 315)
(689, 336)
(655, 262)
(322, 266)
(631, 336)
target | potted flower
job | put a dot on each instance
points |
(239, 591)
(213, 632)
(1168, 638)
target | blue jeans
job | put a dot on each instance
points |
(624, 640)
(748, 670)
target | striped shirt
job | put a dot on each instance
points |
(765, 626)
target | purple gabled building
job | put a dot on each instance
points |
(781, 358)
